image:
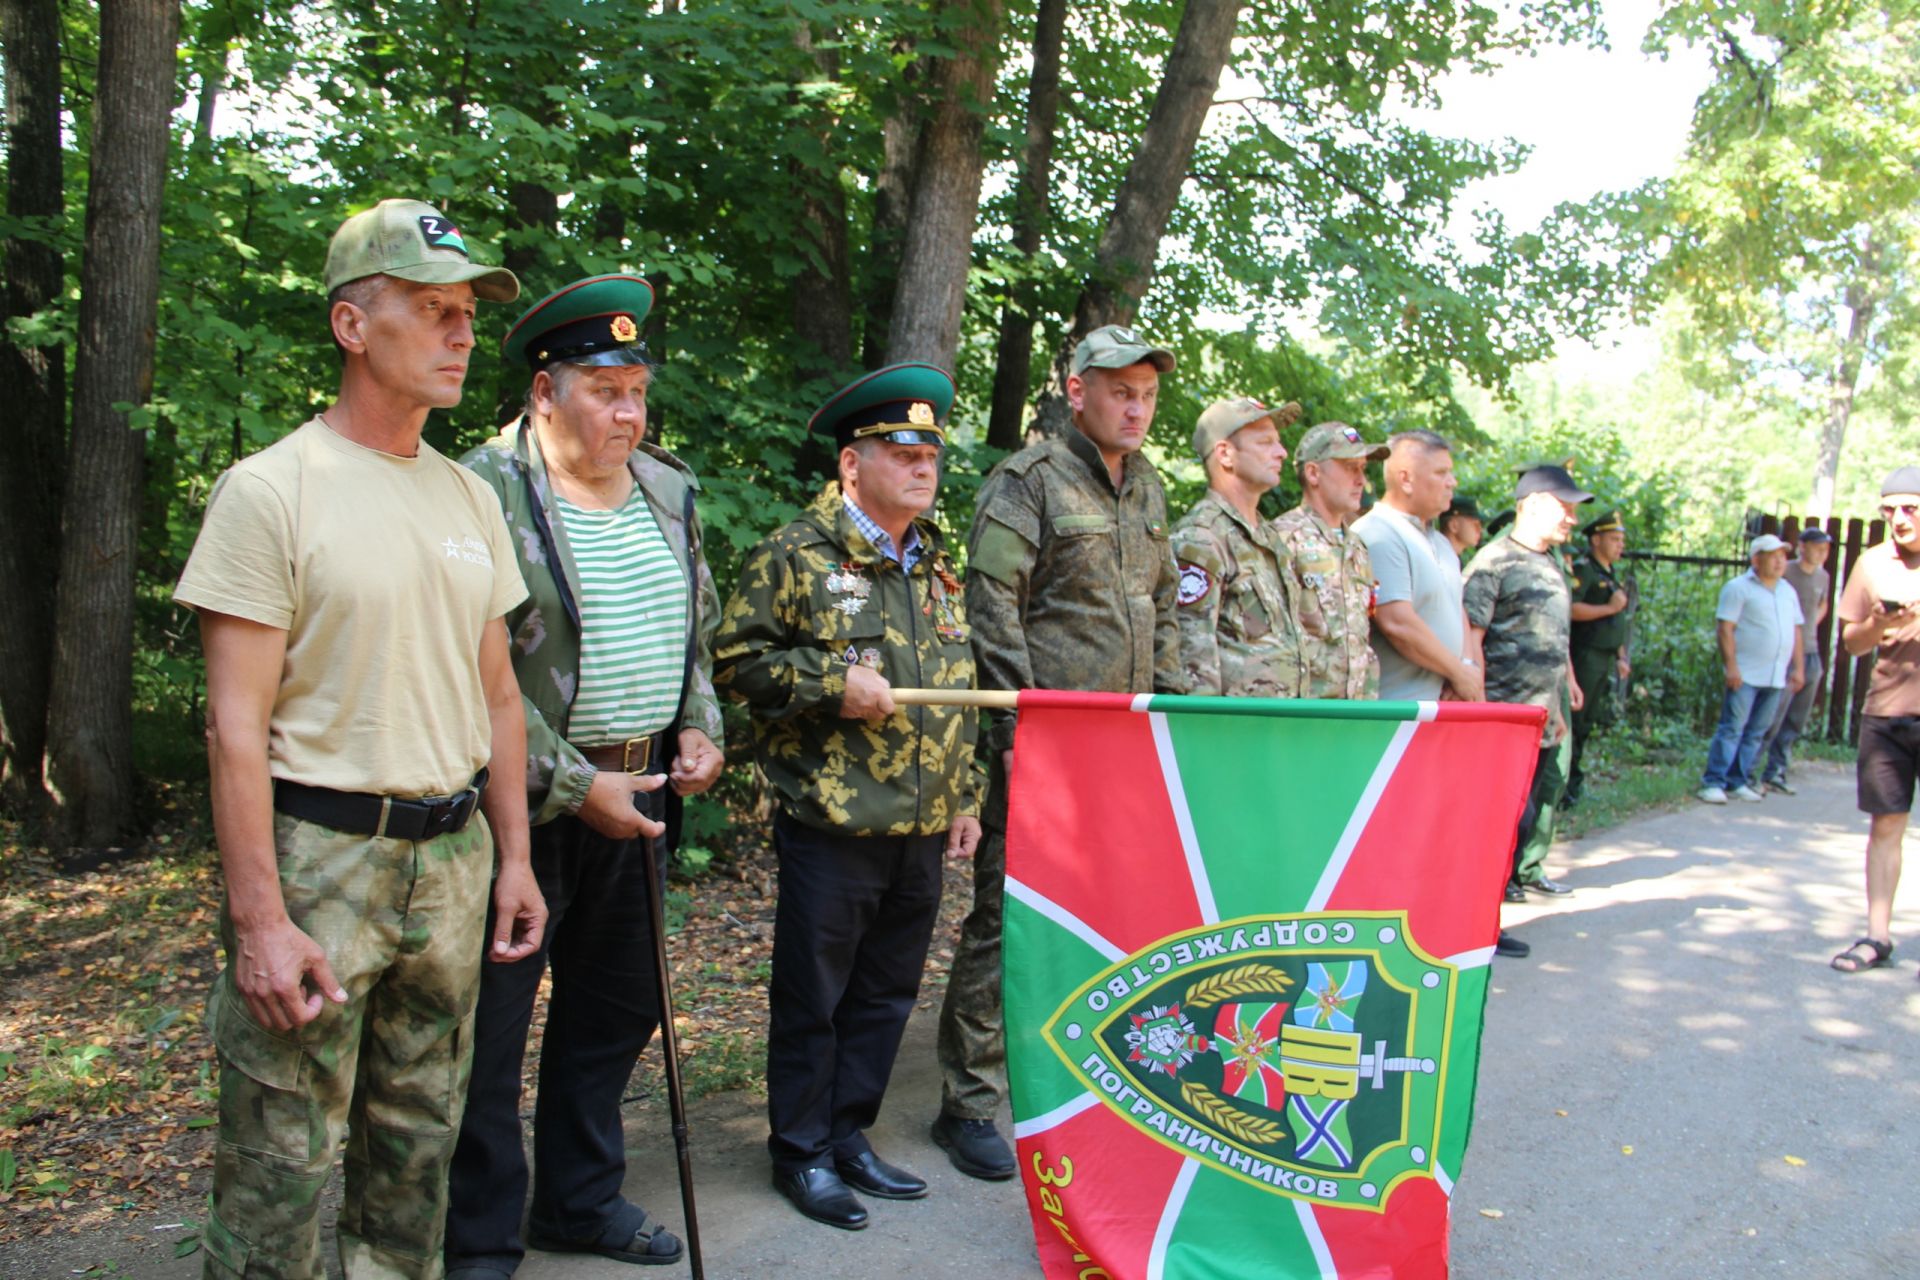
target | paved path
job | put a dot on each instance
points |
(1679, 1004)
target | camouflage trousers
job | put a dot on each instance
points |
(402, 924)
(972, 1046)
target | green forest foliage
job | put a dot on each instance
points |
(689, 139)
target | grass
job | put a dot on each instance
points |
(1643, 768)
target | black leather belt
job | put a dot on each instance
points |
(381, 816)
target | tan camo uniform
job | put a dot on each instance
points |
(383, 571)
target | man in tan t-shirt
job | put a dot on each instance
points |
(350, 583)
(1880, 610)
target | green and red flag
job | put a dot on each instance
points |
(1246, 956)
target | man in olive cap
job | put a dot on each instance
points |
(611, 652)
(1329, 573)
(1070, 585)
(1880, 614)
(832, 611)
(351, 584)
(1236, 631)
(1518, 615)
(1602, 636)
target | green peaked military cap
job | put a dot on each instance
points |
(1607, 523)
(904, 403)
(595, 321)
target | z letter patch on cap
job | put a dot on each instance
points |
(442, 234)
(1195, 583)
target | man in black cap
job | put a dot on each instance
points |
(610, 650)
(1518, 616)
(1602, 635)
(831, 611)
(1880, 614)
(1807, 574)
(1461, 525)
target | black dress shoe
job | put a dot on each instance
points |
(821, 1195)
(869, 1173)
(1508, 945)
(975, 1147)
(1515, 892)
(1552, 888)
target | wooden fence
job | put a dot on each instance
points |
(1845, 680)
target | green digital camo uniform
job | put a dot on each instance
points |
(786, 639)
(1070, 585)
(401, 924)
(1597, 645)
(1520, 599)
(548, 624)
(1330, 587)
(1236, 629)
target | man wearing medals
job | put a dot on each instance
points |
(831, 612)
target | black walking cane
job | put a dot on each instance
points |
(670, 1051)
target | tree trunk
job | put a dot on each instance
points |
(90, 719)
(892, 194)
(931, 290)
(823, 291)
(1124, 261)
(33, 387)
(1861, 304)
(1013, 360)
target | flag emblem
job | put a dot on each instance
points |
(1339, 1083)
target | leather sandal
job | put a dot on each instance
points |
(645, 1242)
(1850, 961)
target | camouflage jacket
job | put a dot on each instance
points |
(1330, 588)
(1520, 599)
(1594, 583)
(546, 628)
(1237, 632)
(813, 599)
(1070, 582)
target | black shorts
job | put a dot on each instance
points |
(1889, 758)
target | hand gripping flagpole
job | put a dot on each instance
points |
(670, 1054)
(997, 699)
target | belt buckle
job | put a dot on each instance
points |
(627, 764)
(450, 813)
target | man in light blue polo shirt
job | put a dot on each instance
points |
(1419, 628)
(1761, 633)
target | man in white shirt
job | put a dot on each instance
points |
(1760, 633)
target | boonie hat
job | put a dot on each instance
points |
(1765, 542)
(1116, 346)
(1547, 478)
(903, 403)
(1336, 440)
(595, 321)
(1224, 417)
(411, 240)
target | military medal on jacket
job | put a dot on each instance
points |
(851, 587)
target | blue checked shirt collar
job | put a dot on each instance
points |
(906, 556)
